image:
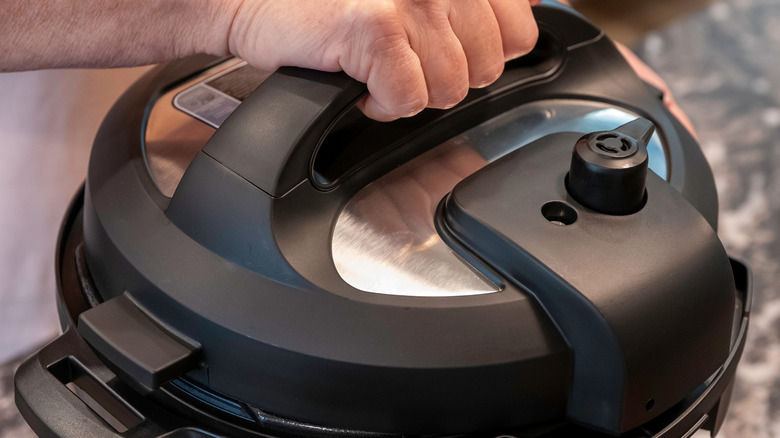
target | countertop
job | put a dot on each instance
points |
(723, 66)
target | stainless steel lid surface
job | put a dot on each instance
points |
(385, 241)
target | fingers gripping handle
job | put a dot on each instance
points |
(270, 139)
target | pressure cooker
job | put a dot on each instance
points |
(251, 256)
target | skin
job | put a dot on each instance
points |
(412, 54)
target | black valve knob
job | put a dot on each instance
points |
(609, 169)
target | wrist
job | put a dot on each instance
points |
(245, 35)
(206, 27)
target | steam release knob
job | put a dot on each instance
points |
(609, 169)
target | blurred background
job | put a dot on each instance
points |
(720, 58)
(629, 21)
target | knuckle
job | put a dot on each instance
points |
(408, 91)
(401, 96)
(381, 20)
(387, 46)
(381, 29)
(522, 41)
(429, 6)
(446, 96)
(410, 106)
(403, 108)
(410, 100)
(487, 74)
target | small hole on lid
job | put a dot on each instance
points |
(649, 405)
(559, 213)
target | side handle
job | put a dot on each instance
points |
(61, 392)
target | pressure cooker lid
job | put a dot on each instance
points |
(385, 241)
(184, 118)
(400, 254)
(422, 276)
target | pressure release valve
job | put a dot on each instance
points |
(609, 169)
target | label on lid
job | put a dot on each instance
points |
(214, 99)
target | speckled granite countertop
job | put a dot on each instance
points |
(724, 68)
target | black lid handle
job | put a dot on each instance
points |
(271, 137)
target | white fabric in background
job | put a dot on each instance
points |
(48, 120)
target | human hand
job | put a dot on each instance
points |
(412, 54)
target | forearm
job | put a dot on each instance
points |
(37, 34)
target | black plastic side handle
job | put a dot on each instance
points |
(270, 139)
(65, 390)
(62, 393)
(135, 342)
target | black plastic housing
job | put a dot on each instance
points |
(182, 409)
(630, 294)
(236, 268)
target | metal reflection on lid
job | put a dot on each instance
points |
(385, 241)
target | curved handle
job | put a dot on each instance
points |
(271, 137)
